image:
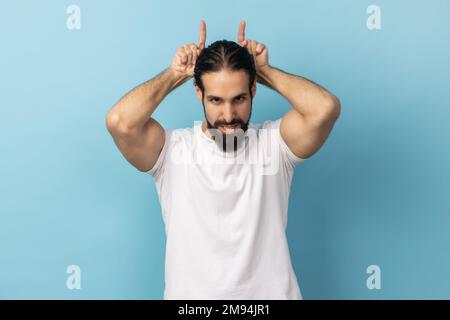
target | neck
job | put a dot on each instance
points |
(205, 130)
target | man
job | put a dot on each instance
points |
(225, 220)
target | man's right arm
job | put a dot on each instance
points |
(138, 136)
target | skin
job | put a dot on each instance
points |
(227, 99)
(304, 128)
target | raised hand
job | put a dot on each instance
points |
(185, 58)
(258, 50)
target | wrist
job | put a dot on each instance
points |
(178, 77)
(263, 75)
(264, 69)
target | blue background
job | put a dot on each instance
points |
(376, 193)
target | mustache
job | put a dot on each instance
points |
(233, 122)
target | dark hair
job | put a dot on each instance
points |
(224, 54)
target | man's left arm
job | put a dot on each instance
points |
(307, 125)
(314, 111)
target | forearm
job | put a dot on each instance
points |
(306, 97)
(136, 107)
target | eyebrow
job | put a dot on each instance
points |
(238, 96)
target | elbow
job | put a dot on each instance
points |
(336, 107)
(115, 124)
(331, 108)
(112, 121)
(325, 111)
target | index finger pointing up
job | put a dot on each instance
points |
(241, 32)
(202, 37)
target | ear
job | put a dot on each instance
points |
(254, 88)
(198, 91)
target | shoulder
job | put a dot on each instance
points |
(180, 135)
(266, 129)
(265, 125)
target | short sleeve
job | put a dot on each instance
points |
(158, 167)
(287, 155)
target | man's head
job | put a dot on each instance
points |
(224, 79)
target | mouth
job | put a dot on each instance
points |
(227, 129)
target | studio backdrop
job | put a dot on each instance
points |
(369, 214)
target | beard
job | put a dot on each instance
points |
(230, 142)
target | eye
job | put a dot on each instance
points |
(240, 98)
(214, 100)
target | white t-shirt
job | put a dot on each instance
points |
(225, 215)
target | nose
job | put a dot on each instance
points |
(229, 113)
